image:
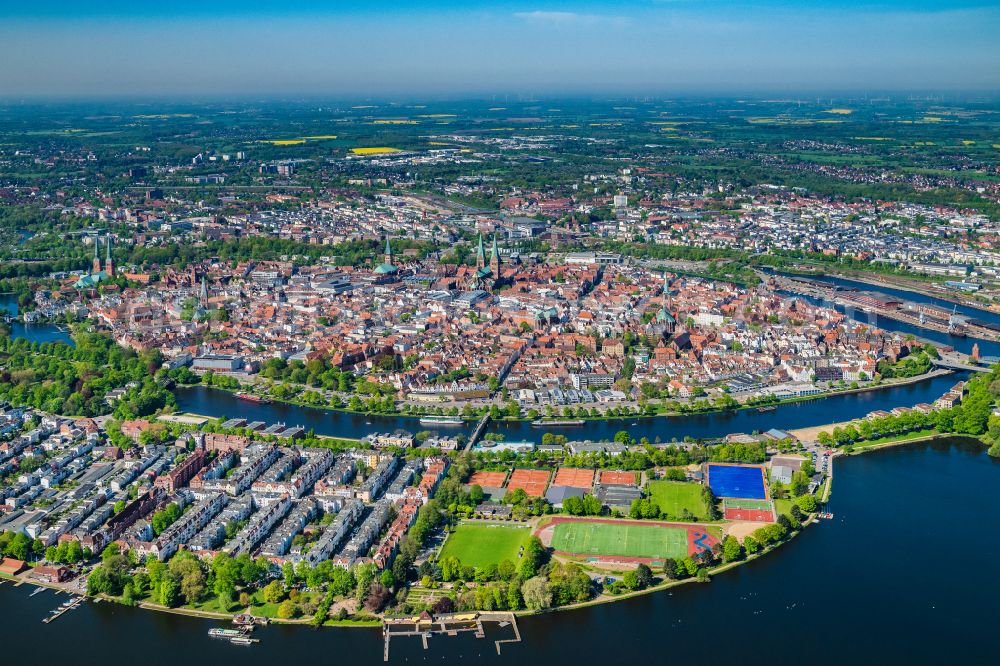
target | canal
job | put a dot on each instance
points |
(903, 574)
(217, 403)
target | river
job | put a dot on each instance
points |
(962, 344)
(32, 332)
(217, 403)
(903, 574)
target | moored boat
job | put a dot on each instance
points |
(441, 420)
(250, 397)
(556, 423)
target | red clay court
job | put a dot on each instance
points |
(488, 479)
(532, 481)
(619, 478)
(574, 478)
(758, 511)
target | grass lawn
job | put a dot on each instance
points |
(674, 496)
(895, 438)
(783, 507)
(623, 539)
(479, 545)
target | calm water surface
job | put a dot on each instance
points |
(217, 403)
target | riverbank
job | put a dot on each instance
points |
(913, 285)
(884, 384)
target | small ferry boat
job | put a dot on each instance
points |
(557, 423)
(243, 640)
(250, 397)
(441, 420)
(215, 632)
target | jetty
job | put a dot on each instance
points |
(63, 610)
(426, 625)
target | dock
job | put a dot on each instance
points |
(63, 610)
(426, 625)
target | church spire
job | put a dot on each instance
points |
(109, 266)
(495, 258)
(97, 257)
(388, 251)
(481, 253)
(203, 293)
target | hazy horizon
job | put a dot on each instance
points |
(445, 48)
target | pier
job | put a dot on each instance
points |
(63, 610)
(426, 625)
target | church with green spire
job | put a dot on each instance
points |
(387, 270)
(487, 276)
(96, 276)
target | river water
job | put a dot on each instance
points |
(962, 344)
(217, 403)
(903, 574)
(33, 332)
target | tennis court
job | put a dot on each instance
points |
(532, 481)
(488, 479)
(748, 509)
(613, 477)
(743, 481)
(574, 478)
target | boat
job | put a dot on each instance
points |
(442, 420)
(215, 632)
(770, 408)
(544, 423)
(250, 397)
(36, 591)
(243, 640)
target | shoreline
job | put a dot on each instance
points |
(866, 278)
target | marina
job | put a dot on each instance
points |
(62, 609)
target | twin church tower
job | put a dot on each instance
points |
(109, 266)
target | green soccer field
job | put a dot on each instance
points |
(621, 539)
(479, 545)
(673, 497)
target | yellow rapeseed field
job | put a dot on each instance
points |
(378, 150)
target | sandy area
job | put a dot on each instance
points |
(741, 529)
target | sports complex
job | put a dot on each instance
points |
(742, 490)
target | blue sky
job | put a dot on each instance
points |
(451, 47)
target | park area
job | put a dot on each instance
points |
(676, 497)
(625, 541)
(482, 544)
